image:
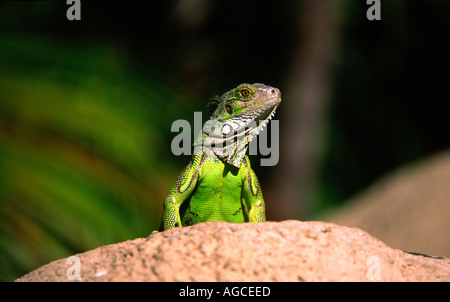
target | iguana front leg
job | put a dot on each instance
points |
(252, 194)
(179, 192)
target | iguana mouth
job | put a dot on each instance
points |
(259, 121)
(265, 118)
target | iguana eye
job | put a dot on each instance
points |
(245, 92)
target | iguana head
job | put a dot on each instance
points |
(238, 117)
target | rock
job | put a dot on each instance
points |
(408, 209)
(272, 251)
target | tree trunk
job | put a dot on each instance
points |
(304, 108)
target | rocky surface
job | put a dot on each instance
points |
(408, 209)
(271, 251)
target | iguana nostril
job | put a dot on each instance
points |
(275, 92)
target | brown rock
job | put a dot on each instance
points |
(408, 209)
(272, 251)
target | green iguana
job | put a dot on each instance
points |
(219, 184)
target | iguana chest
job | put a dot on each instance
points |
(217, 196)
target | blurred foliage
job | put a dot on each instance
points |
(83, 151)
